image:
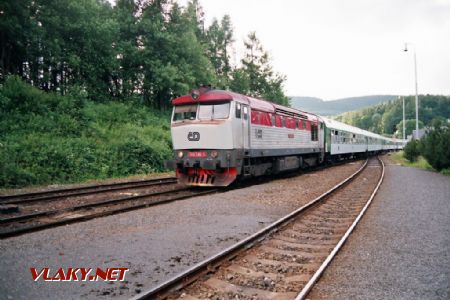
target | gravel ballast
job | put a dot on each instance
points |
(401, 248)
(154, 243)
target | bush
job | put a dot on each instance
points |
(436, 148)
(411, 151)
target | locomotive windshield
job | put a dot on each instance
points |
(205, 112)
(214, 111)
(184, 112)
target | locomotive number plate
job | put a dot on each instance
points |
(198, 154)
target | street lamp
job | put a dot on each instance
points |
(404, 136)
(417, 97)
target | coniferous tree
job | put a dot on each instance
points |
(219, 38)
(257, 75)
(127, 59)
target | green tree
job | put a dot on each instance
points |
(219, 37)
(259, 80)
(436, 146)
(411, 150)
(174, 60)
(376, 121)
(16, 28)
(410, 125)
(127, 61)
(59, 44)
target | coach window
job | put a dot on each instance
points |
(238, 110)
(245, 112)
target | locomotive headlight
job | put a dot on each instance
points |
(214, 154)
(195, 94)
(180, 154)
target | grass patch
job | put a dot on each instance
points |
(446, 172)
(420, 163)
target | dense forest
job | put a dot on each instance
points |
(150, 49)
(387, 118)
(85, 87)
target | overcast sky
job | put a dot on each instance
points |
(341, 48)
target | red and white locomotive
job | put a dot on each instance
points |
(220, 135)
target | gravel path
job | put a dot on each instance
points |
(401, 248)
(154, 243)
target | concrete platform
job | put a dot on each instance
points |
(401, 248)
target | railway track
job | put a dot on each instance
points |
(30, 222)
(80, 191)
(41, 210)
(285, 259)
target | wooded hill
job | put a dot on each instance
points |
(387, 118)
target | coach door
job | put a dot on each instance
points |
(245, 126)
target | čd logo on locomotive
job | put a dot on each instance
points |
(193, 136)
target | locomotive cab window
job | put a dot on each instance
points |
(214, 111)
(184, 112)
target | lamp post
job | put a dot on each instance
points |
(417, 97)
(404, 136)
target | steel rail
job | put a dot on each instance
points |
(188, 276)
(33, 228)
(307, 288)
(84, 206)
(84, 190)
